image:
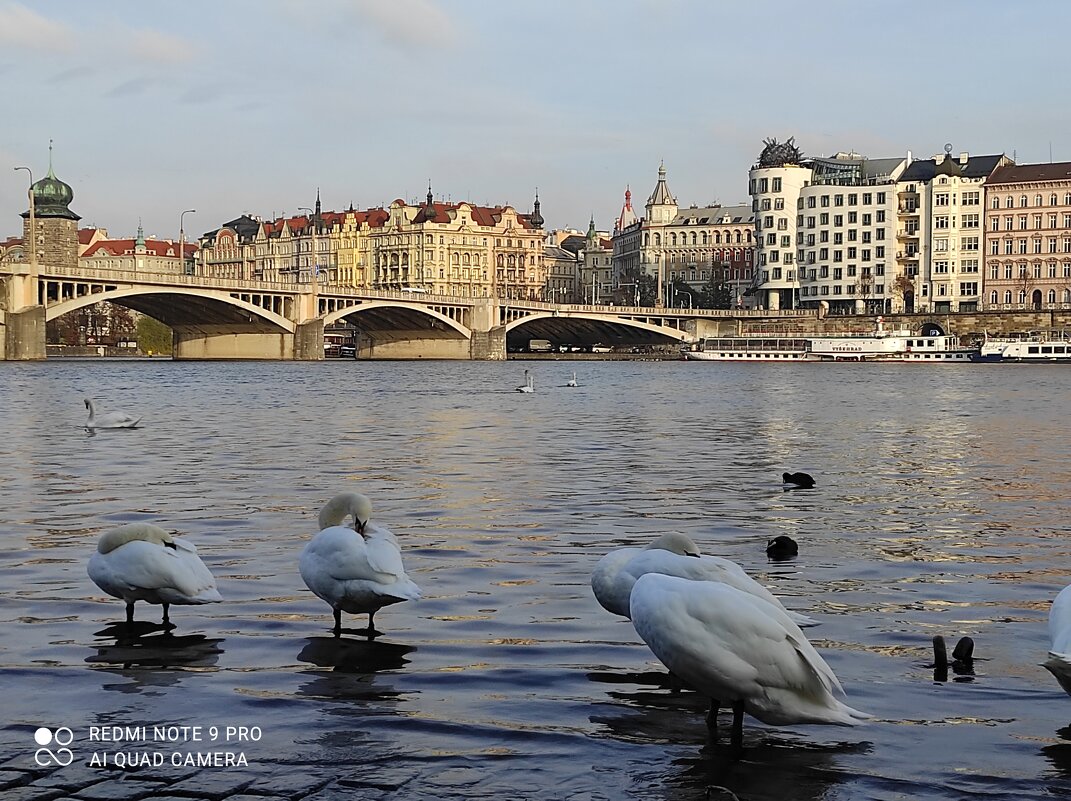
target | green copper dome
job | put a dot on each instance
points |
(51, 196)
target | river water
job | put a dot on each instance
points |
(941, 508)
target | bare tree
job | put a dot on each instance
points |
(903, 287)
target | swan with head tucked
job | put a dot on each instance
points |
(1059, 661)
(528, 385)
(672, 554)
(142, 562)
(109, 419)
(356, 570)
(734, 647)
(572, 381)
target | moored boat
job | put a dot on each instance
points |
(897, 345)
(1036, 347)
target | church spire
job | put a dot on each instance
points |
(50, 173)
(535, 217)
(139, 243)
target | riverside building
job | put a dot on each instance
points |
(1028, 235)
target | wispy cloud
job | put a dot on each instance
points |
(408, 23)
(23, 27)
(146, 44)
(134, 86)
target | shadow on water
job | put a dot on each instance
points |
(144, 645)
(354, 667)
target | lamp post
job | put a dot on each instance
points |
(33, 220)
(689, 294)
(312, 224)
(182, 239)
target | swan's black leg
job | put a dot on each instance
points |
(130, 612)
(371, 626)
(338, 622)
(167, 621)
(712, 716)
(737, 738)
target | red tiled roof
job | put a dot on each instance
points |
(85, 235)
(11, 242)
(121, 247)
(1031, 173)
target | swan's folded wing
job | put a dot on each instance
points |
(384, 557)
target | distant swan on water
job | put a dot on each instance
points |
(572, 381)
(142, 562)
(738, 649)
(109, 419)
(672, 554)
(528, 385)
(356, 570)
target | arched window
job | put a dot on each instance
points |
(1037, 200)
(501, 260)
(1052, 199)
(465, 259)
(693, 237)
(455, 259)
(1022, 201)
(1007, 296)
(672, 239)
(1052, 296)
(706, 238)
(749, 235)
(1009, 202)
(993, 297)
(1022, 296)
(738, 237)
(1067, 199)
(646, 240)
(717, 237)
(1067, 296)
(511, 261)
(658, 240)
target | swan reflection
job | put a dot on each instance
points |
(158, 649)
(354, 656)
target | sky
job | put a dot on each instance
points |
(250, 106)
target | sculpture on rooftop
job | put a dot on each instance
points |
(778, 154)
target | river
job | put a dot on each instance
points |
(942, 507)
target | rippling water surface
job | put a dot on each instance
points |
(942, 507)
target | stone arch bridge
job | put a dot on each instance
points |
(224, 318)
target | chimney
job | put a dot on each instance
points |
(963, 158)
(939, 159)
(909, 159)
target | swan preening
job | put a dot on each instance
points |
(356, 570)
(739, 649)
(1059, 661)
(672, 554)
(109, 419)
(528, 385)
(142, 562)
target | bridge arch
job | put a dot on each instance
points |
(387, 305)
(131, 294)
(593, 321)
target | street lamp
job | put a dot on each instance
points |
(312, 224)
(182, 239)
(686, 292)
(33, 222)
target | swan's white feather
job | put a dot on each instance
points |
(140, 570)
(734, 646)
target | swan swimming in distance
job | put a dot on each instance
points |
(109, 419)
(142, 562)
(356, 570)
(1059, 661)
(528, 385)
(672, 554)
(572, 381)
(738, 649)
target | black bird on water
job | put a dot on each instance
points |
(782, 547)
(799, 479)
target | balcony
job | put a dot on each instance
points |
(908, 208)
(907, 233)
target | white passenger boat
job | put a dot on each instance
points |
(898, 345)
(1040, 347)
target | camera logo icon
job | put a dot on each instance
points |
(61, 737)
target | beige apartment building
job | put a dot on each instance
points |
(693, 244)
(138, 254)
(1028, 236)
(460, 249)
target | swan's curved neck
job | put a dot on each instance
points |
(89, 405)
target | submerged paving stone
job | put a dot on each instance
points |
(246, 797)
(13, 778)
(32, 794)
(217, 785)
(119, 790)
(288, 785)
(75, 776)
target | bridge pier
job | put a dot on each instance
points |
(225, 342)
(309, 341)
(24, 334)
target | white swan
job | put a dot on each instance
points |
(1059, 661)
(356, 570)
(572, 381)
(109, 419)
(528, 385)
(736, 648)
(672, 554)
(142, 562)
